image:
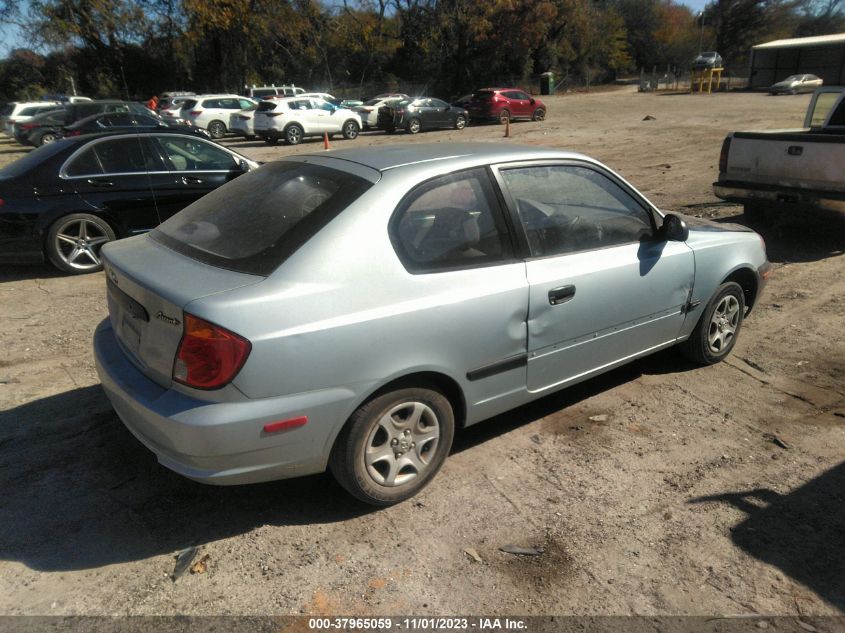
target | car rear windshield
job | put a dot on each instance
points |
(257, 221)
(481, 95)
(266, 106)
(188, 104)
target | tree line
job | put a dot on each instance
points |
(356, 47)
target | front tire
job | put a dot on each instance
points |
(460, 122)
(74, 242)
(216, 129)
(350, 130)
(717, 330)
(539, 115)
(414, 126)
(393, 445)
(293, 135)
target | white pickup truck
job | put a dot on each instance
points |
(789, 170)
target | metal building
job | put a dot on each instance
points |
(821, 55)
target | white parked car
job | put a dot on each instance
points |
(368, 111)
(20, 110)
(294, 118)
(211, 112)
(241, 123)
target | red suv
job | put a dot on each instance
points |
(505, 103)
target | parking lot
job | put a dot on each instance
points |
(659, 488)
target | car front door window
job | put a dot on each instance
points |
(567, 208)
(190, 154)
(601, 287)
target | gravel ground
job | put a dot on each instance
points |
(712, 490)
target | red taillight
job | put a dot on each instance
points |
(73, 133)
(274, 114)
(195, 112)
(243, 118)
(209, 356)
(285, 425)
(367, 109)
(27, 126)
(723, 155)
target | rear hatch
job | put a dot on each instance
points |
(148, 285)
(235, 236)
(481, 101)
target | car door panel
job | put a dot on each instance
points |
(618, 302)
(118, 184)
(603, 286)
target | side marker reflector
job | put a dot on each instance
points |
(284, 425)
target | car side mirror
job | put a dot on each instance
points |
(674, 228)
(243, 165)
(533, 101)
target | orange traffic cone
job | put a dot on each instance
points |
(326, 141)
(507, 127)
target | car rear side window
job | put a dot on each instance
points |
(450, 222)
(257, 221)
(84, 164)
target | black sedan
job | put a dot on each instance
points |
(421, 113)
(41, 129)
(125, 122)
(64, 200)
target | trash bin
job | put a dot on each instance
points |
(547, 83)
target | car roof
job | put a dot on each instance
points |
(459, 155)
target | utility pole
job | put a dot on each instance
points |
(701, 30)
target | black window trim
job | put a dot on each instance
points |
(500, 218)
(524, 252)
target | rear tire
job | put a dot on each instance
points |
(45, 138)
(271, 140)
(74, 242)
(350, 130)
(717, 330)
(216, 129)
(393, 445)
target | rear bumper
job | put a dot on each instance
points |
(784, 197)
(219, 443)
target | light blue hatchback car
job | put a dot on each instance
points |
(351, 309)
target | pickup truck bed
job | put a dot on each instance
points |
(796, 170)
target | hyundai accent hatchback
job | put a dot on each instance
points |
(352, 310)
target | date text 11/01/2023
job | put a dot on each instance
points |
(416, 624)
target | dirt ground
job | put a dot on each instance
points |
(716, 490)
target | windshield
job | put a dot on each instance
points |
(257, 221)
(793, 78)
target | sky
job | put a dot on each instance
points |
(11, 38)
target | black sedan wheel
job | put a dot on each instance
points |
(460, 122)
(350, 130)
(44, 139)
(413, 126)
(74, 242)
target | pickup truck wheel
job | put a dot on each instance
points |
(393, 445)
(716, 332)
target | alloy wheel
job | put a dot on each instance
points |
(723, 324)
(78, 243)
